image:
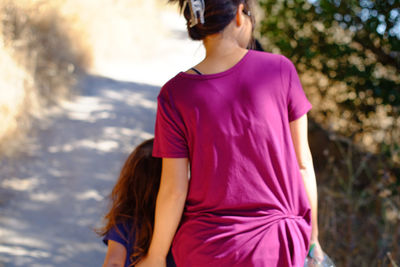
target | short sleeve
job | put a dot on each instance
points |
(169, 137)
(297, 102)
(118, 234)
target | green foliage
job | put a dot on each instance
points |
(356, 42)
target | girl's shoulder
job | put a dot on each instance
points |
(122, 233)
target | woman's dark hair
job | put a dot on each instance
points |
(133, 198)
(217, 15)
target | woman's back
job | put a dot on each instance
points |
(246, 204)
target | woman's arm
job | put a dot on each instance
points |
(169, 208)
(299, 132)
(116, 255)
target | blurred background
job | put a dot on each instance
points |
(78, 88)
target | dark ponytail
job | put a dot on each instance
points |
(217, 15)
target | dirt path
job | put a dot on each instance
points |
(51, 199)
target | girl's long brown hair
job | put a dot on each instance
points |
(133, 198)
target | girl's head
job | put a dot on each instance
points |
(232, 17)
(134, 195)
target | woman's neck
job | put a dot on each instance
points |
(218, 47)
(222, 52)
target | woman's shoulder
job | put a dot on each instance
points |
(168, 86)
(266, 57)
(256, 61)
(268, 60)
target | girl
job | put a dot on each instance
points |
(239, 118)
(130, 220)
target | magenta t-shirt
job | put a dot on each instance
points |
(247, 204)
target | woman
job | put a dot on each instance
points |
(239, 118)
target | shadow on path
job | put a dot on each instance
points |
(56, 195)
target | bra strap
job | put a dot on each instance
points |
(198, 72)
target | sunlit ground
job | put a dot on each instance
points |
(141, 41)
(174, 53)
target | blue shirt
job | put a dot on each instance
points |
(122, 236)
